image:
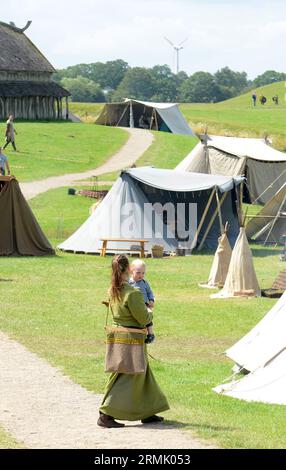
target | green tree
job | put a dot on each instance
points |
(270, 76)
(231, 83)
(165, 84)
(83, 90)
(200, 88)
(138, 83)
(108, 75)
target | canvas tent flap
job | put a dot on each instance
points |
(264, 341)
(220, 265)
(266, 384)
(20, 233)
(241, 277)
(270, 223)
(182, 181)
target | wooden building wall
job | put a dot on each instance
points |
(32, 107)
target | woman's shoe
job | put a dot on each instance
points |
(152, 419)
(106, 421)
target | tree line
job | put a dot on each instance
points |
(115, 80)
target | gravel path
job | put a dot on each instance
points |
(43, 408)
(136, 145)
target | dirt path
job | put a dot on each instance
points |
(43, 408)
(136, 145)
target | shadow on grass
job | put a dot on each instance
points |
(263, 252)
(172, 424)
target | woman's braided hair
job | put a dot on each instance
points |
(120, 264)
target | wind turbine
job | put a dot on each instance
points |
(177, 50)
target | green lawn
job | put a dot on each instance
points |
(52, 305)
(48, 149)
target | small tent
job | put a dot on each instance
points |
(263, 166)
(269, 225)
(20, 233)
(262, 352)
(264, 341)
(162, 206)
(220, 265)
(241, 279)
(145, 115)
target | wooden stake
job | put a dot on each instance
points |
(212, 221)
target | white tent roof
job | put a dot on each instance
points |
(256, 149)
(264, 341)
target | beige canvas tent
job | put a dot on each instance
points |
(263, 166)
(220, 264)
(20, 233)
(145, 115)
(269, 225)
(241, 278)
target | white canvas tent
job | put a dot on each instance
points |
(220, 265)
(262, 352)
(269, 225)
(158, 205)
(241, 278)
(264, 341)
(146, 115)
(263, 166)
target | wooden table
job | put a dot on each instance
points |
(128, 240)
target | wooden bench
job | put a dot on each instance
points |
(105, 241)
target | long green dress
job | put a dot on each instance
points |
(132, 397)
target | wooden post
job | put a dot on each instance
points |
(142, 253)
(219, 211)
(67, 108)
(212, 221)
(274, 221)
(204, 214)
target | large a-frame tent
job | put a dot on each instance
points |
(146, 115)
(263, 166)
(20, 233)
(269, 225)
(262, 352)
(163, 206)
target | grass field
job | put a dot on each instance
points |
(236, 116)
(48, 149)
(192, 330)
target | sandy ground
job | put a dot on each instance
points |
(136, 145)
(42, 408)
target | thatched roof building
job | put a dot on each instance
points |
(26, 86)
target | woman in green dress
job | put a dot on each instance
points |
(129, 397)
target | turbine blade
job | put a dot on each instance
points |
(168, 40)
(183, 42)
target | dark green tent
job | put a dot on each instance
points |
(20, 233)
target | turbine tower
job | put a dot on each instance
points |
(177, 50)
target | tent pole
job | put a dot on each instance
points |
(204, 214)
(219, 211)
(270, 186)
(155, 116)
(124, 111)
(211, 221)
(275, 219)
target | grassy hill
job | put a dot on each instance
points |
(235, 117)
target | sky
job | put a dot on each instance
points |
(245, 35)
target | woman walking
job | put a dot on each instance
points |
(129, 397)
